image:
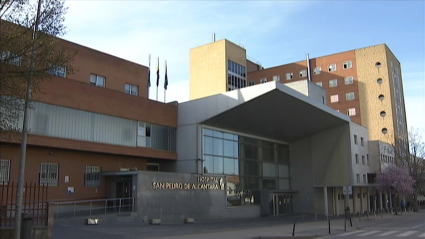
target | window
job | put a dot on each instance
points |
(349, 96)
(347, 64)
(355, 139)
(152, 167)
(357, 158)
(58, 71)
(236, 75)
(384, 130)
(379, 81)
(381, 97)
(363, 160)
(10, 58)
(303, 73)
(334, 98)
(92, 176)
(357, 178)
(276, 78)
(351, 112)
(317, 70)
(319, 84)
(263, 80)
(97, 80)
(251, 83)
(131, 89)
(4, 171)
(49, 174)
(361, 141)
(333, 83)
(349, 80)
(289, 76)
(144, 135)
(332, 67)
(364, 178)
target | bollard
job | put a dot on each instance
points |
(26, 226)
(293, 229)
(329, 224)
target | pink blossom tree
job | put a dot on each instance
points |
(396, 180)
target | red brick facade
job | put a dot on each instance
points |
(342, 105)
(75, 91)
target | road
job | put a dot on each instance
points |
(409, 227)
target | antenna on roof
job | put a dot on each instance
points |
(213, 37)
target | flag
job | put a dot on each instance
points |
(149, 72)
(157, 74)
(166, 77)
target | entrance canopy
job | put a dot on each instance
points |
(271, 110)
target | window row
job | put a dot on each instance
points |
(236, 68)
(334, 82)
(348, 96)
(356, 141)
(14, 59)
(387, 159)
(341, 196)
(350, 111)
(100, 81)
(365, 159)
(358, 178)
(49, 174)
(220, 144)
(62, 122)
(333, 67)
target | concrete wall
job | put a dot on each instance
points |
(173, 205)
(301, 173)
(208, 67)
(187, 149)
(331, 156)
(208, 70)
(370, 105)
(361, 168)
(320, 160)
(309, 89)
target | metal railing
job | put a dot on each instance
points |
(34, 203)
(92, 207)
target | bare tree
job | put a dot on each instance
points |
(29, 54)
(24, 58)
(412, 157)
(416, 163)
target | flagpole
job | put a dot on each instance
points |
(149, 75)
(165, 90)
(157, 80)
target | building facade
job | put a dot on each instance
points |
(364, 84)
(95, 120)
(251, 140)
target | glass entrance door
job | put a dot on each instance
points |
(280, 204)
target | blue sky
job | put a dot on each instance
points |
(272, 32)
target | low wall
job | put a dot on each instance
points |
(172, 197)
(37, 233)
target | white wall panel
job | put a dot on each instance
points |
(56, 121)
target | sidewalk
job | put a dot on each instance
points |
(266, 227)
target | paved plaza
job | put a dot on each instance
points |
(306, 226)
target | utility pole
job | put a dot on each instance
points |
(21, 174)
